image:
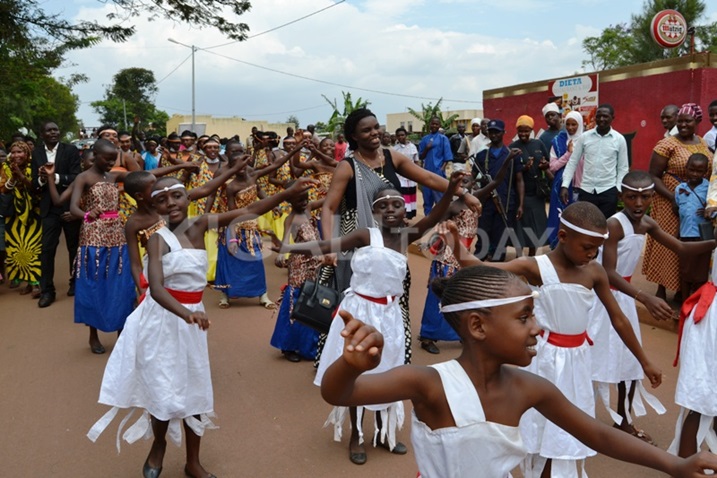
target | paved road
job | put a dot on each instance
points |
(269, 412)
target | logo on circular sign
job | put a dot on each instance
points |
(669, 28)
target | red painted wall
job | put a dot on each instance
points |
(637, 103)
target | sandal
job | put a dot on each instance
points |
(36, 292)
(26, 290)
(223, 303)
(268, 304)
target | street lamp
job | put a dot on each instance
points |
(194, 48)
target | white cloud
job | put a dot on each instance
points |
(373, 44)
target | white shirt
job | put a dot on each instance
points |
(710, 138)
(51, 153)
(408, 149)
(604, 161)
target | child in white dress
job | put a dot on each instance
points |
(466, 411)
(160, 363)
(612, 361)
(697, 381)
(566, 278)
(379, 266)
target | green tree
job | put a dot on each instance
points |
(336, 122)
(630, 43)
(131, 95)
(321, 127)
(34, 40)
(293, 119)
(430, 111)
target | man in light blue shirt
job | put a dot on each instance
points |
(435, 151)
(604, 154)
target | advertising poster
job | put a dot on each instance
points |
(577, 93)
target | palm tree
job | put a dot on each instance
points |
(429, 111)
(337, 119)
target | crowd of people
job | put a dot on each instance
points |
(150, 222)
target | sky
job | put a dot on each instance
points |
(421, 49)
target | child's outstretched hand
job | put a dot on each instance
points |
(362, 343)
(653, 374)
(657, 307)
(454, 182)
(191, 167)
(301, 185)
(697, 464)
(199, 318)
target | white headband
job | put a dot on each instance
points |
(639, 190)
(168, 188)
(482, 304)
(587, 232)
(388, 197)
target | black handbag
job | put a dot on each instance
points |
(7, 205)
(316, 305)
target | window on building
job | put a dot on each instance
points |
(410, 126)
(403, 124)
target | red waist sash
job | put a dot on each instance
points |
(377, 300)
(700, 301)
(567, 341)
(183, 297)
(628, 279)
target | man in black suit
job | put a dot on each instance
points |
(54, 220)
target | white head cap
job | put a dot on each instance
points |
(550, 107)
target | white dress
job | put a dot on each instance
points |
(697, 380)
(474, 447)
(378, 273)
(612, 361)
(160, 363)
(561, 309)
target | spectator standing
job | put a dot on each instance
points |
(553, 118)
(408, 187)
(505, 206)
(668, 118)
(711, 135)
(55, 219)
(604, 154)
(435, 151)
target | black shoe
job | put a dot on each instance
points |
(292, 356)
(71, 290)
(149, 472)
(430, 347)
(46, 299)
(357, 458)
(399, 449)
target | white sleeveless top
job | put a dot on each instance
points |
(562, 307)
(629, 248)
(377, 270)
(474, 447)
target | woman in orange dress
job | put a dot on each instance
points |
(668, 169)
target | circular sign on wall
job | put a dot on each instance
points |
(669, 28)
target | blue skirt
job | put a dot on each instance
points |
(556, 206)
(241, 275)
(293, 337)
(104, 289)
(433, 324)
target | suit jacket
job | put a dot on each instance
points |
(67, 165)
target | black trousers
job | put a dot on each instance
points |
(606, 201)
(52, 226)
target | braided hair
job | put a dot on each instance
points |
(469, 284)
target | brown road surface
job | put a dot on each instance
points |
(269, 411)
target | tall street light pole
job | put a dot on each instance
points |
(194, 49)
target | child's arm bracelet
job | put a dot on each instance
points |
(233, 241)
